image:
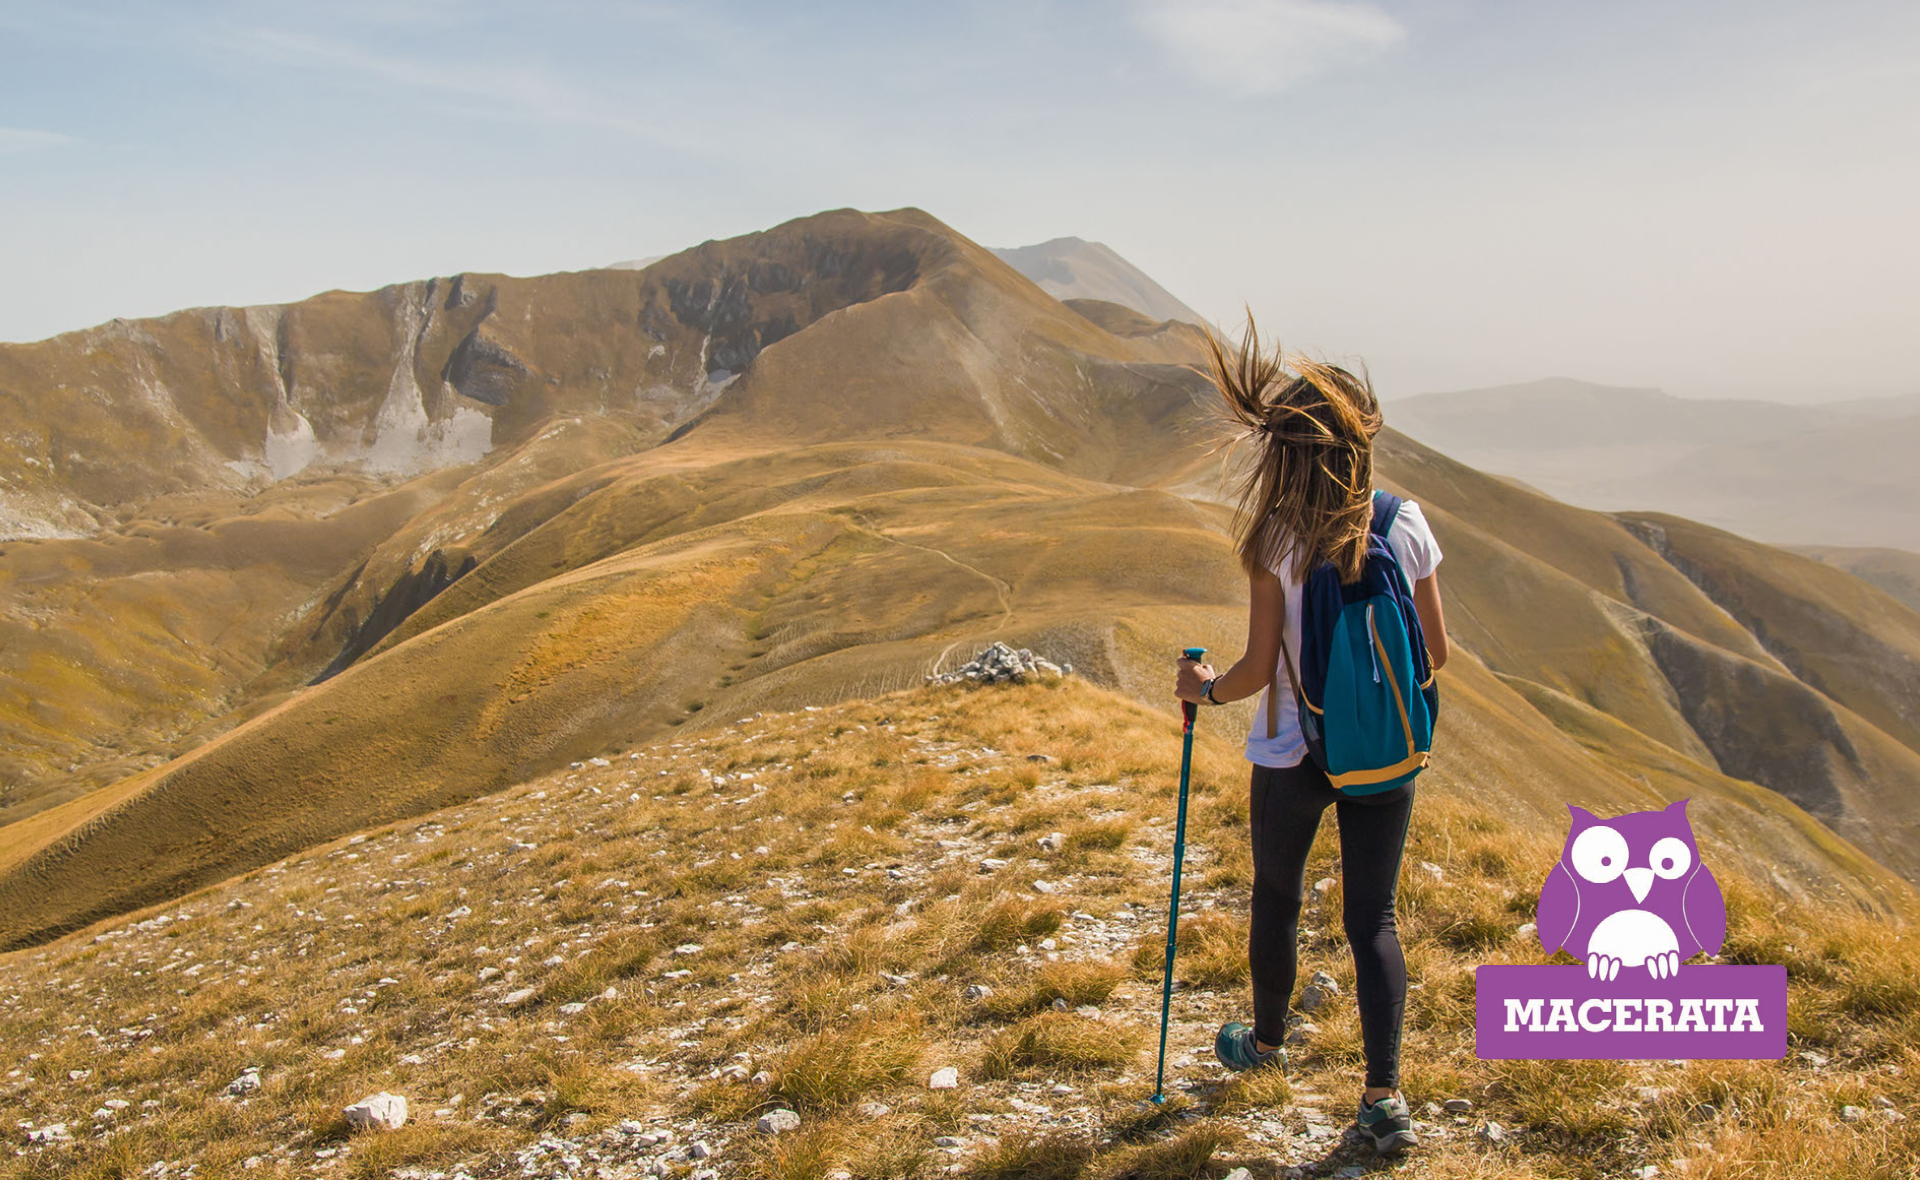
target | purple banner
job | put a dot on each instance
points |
(1701, 1012)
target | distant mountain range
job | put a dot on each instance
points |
(308, 569)
(1070, 268)
(1840, 474)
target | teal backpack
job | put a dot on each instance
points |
(1365, 691)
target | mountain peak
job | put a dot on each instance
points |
(1074, 268)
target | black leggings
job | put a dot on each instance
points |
(1285, 813)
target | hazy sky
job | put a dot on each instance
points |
(1715, 198)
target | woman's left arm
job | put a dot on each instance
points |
(1266, 614)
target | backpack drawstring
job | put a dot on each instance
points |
(1373, 650)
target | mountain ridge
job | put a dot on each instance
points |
(921, 451)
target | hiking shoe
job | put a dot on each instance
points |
(1236, 1049)
(1390, 1124)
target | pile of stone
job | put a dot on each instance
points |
(1001, 662)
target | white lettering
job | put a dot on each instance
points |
(1630, 1015)
(1626, 1016)
(1693, 1018)
(1561, 1019)
(1719, 1010)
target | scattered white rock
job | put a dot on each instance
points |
(1853, 1114)
(516, 998)
(977, 991)
(51, 1133)
(1433, 870)
(775, 1122)
(1238, 1174)
(1001, 662)
(1493, 1132)
(382, 1111)
(945, 1078)
(1319, 991)
(1301, 1032)
(1458, 1106)
(1324, 886)
(246, 1083)
(1051, 842)
(1044, 887)
(873, 1110)
(949, 1141)
(700, 1150)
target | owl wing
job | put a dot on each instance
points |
(1559, 909)
(1705, 910)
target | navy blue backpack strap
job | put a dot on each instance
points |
(1386, 509)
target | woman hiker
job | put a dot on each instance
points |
(1308, 499)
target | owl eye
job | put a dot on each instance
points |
(1671, 857)
(1600, 854)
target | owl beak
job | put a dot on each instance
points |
(1640, 881)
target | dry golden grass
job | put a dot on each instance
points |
(1056, 1043)
(834, 1069)
(1027, 1155)
(836, 963)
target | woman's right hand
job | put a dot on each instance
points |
(1187, 682)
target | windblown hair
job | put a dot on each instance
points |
(1309, 492)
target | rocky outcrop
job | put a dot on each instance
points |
(411, 591)
(1001, 662)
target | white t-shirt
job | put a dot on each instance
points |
(1418, 554)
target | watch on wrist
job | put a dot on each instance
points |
(1206, 693)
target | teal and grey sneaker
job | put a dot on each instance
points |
(1390, 1124)
(1236, 1049)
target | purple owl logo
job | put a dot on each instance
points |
(1631, 892)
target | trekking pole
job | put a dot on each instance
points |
(1188, 710)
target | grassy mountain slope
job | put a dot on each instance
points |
(1896, 571)
(1647, 628)
(790, 910)
(920, 452)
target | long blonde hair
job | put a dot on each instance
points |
(1309, 493)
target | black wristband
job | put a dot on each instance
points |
(1206, 693)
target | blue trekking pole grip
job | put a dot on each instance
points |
(1188, 711)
